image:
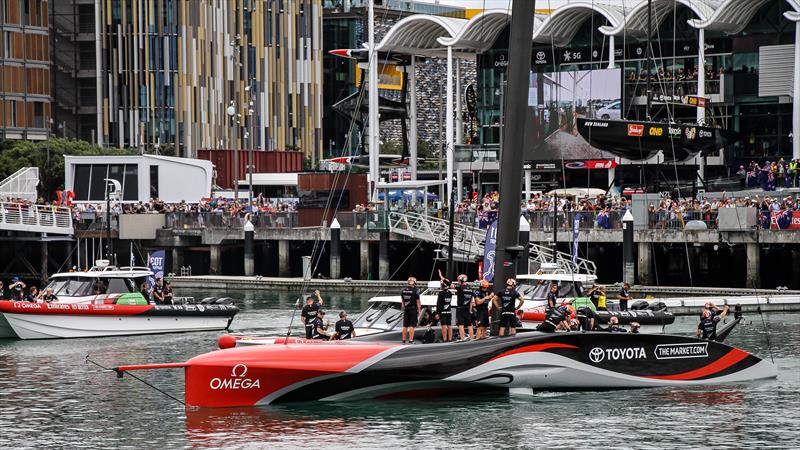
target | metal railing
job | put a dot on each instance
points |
(21, 185)
(470, 240)
(371, 221)
(35, 218)
(216, 220)
(676, 220)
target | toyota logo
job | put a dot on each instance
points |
(596, 354)
(540, 55)
(236, 369)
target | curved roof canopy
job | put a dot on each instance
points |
(562, 24)
(635, 23)
(480, 32)
(419, 33)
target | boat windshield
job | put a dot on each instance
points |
(539, 291)
(72, 286)
(381, 315)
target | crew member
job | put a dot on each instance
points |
(624, 296)
(309, 313)
(158, 292)
(33, 294)
(588, 318)
(344, 328)
(443, 303)
(508, 301)
(708, 324)
(601, 300)
(552, 296)
(319, 327)
(409, 299)
(614, 327)
(49, 296)
(464, 307)
(635, 327)
(556, 319)
(144, 289)
(520, 315)
(594, 295)
(17, 288)
(482, 300)
(169, 297)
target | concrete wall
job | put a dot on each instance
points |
(140, 226)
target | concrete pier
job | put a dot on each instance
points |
(383, 256)
(177, 259)
(215, 257)
(753, 264)
(283, 258)
(364, 247)
(645, 262)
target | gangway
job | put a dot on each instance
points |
(21, 185)
(33, 218)
(470, 240)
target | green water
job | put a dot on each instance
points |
(50, 398)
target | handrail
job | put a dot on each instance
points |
(35, 218)
(21, 184)
(470, 239)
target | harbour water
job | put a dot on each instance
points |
(49, 397)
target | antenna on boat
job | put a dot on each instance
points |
(647, 56)
(116, 192)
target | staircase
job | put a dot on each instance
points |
(21, 184)
(469, 240)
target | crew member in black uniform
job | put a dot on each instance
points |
(482, 299)
(344, 328)
(508, 301)
(708, 323)
(443, 303)
(409, 299)
(556, 319)
(169, 297)
(319, 327)
(614, 326)
(158, 292)
(464, 307)
(49, 296)
(309, 313)
(17, 289)
(594, 295)
(624, 296)
(552, 297)
(588, 318)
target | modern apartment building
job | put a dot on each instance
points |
(24, 69)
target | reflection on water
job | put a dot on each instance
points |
(49, 397)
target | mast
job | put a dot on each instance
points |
(513, 132)
(647, 57)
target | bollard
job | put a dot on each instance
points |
(336, 249)
(628, 264)
(249, 256)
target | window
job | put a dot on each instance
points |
(7, 44)
(38, 115)
(24, 6)
(154, 181)
(89, 181)
(11, 116)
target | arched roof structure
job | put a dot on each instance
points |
(732, 16)
(635, 23)
(480, 32)
(419, 34)
(561, 24)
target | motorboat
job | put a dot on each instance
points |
(105, 301)
(520, 365)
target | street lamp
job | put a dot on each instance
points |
(232, 114)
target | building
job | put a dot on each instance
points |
(163, 74)
(169, 179)
(25, 109)
(736, 54)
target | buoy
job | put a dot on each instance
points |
(226, 341)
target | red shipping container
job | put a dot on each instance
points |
(263, 162)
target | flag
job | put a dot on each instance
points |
(489, 248)
(576, 230)
(155, 262)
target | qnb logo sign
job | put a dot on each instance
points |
(237, 380)
(676, 351)
(598, 354)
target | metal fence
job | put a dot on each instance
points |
(675, 220)
(372, 221)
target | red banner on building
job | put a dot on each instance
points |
(785, 220)
(591, 164)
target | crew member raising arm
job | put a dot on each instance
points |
(409, 298)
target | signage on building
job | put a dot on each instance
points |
(690, 100)
(635, 129)
(541, 166)
(591, 164)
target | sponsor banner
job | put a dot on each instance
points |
(785, 220)
(489, 252)
(689, 100)
(591, 164)
(156, 263)
(675, 351)
(598, 354)
(635, 129)
(576, 230)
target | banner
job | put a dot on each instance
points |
(576, 230)
(155, 262)
(489, 248)
(785, 220)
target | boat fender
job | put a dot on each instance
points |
(208, 301)
(657, 306)
(226, 341)
(639, 305)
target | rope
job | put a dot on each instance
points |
(119, 374)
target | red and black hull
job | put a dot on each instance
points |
(266, 374)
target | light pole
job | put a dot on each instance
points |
(232, 114)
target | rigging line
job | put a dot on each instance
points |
(88, 360)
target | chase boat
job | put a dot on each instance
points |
(105, 301)
(296, 370)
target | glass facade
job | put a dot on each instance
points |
(89, 181)
(731, 72)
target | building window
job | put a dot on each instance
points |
(38, 115)
(24, 7)
(11, 113)
(7, 44)
(89, 181)
(153, 181)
